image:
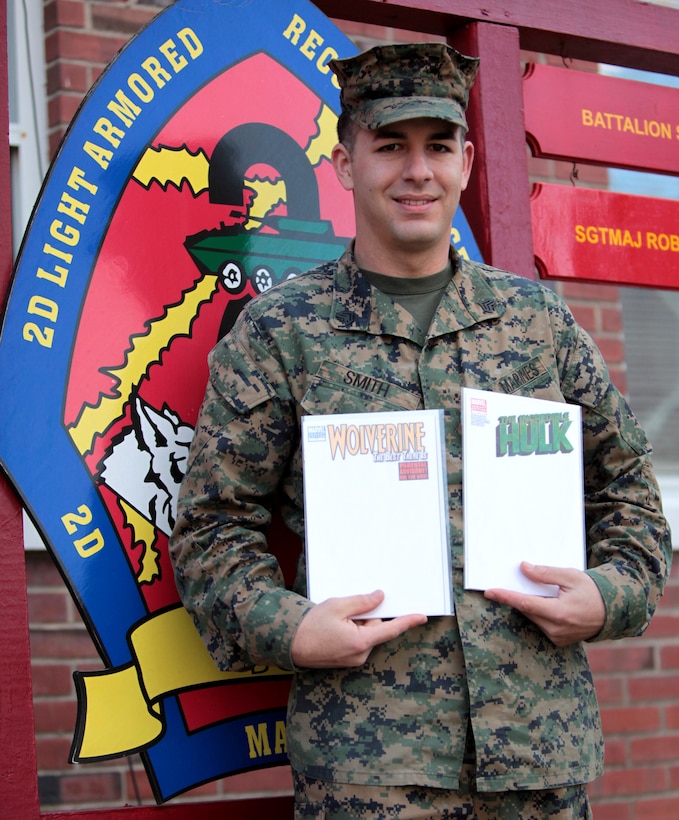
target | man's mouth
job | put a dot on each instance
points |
(414, 201)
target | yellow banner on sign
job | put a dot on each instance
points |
(119, 710)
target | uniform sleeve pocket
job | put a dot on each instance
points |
(236, 379)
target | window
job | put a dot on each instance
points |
(651, 325)
(27, 130)
(27, 108)
(651, 329)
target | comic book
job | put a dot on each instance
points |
(376, 509)
(522, 488)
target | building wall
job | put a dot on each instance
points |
(637, 680)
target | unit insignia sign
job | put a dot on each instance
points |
(195, 175)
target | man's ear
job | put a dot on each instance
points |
(467, 163)
(341, 160)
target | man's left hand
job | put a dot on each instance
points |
(576, 614)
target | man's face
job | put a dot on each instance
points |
(406, 180)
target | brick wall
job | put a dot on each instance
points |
(81, 38)
(60, 645)
(637, 681)
(638, 687)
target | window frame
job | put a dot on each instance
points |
(28, 109)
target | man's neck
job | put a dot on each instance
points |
(402, 264)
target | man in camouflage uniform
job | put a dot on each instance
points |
(490, 713)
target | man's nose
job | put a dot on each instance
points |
(417, 165)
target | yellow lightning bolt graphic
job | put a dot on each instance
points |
(145, 351)
(143, 532)
(173, 165)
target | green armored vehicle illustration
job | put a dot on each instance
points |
(287, 248)
(281, 246)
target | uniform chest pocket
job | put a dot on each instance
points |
(335, 388)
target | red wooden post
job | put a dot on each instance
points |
(496, 203)
(273, 808)
(18, 767)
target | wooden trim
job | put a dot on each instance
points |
(252, 809)
(621, 32)
(18, 766)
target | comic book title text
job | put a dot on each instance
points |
(386, 442)
(535, 434)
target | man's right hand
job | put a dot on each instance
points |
(330, 635)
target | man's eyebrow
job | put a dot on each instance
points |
(447, 134)
(386, 133)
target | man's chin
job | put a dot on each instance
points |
(421, 240)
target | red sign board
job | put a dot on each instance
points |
(599, 236)
(603, 120)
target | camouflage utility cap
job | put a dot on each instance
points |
(402, 82)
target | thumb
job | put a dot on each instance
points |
(353, 605)
(547, 575)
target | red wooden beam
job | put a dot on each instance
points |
(620, 32)
(276, 808)
(497, 201)
(18, 767)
